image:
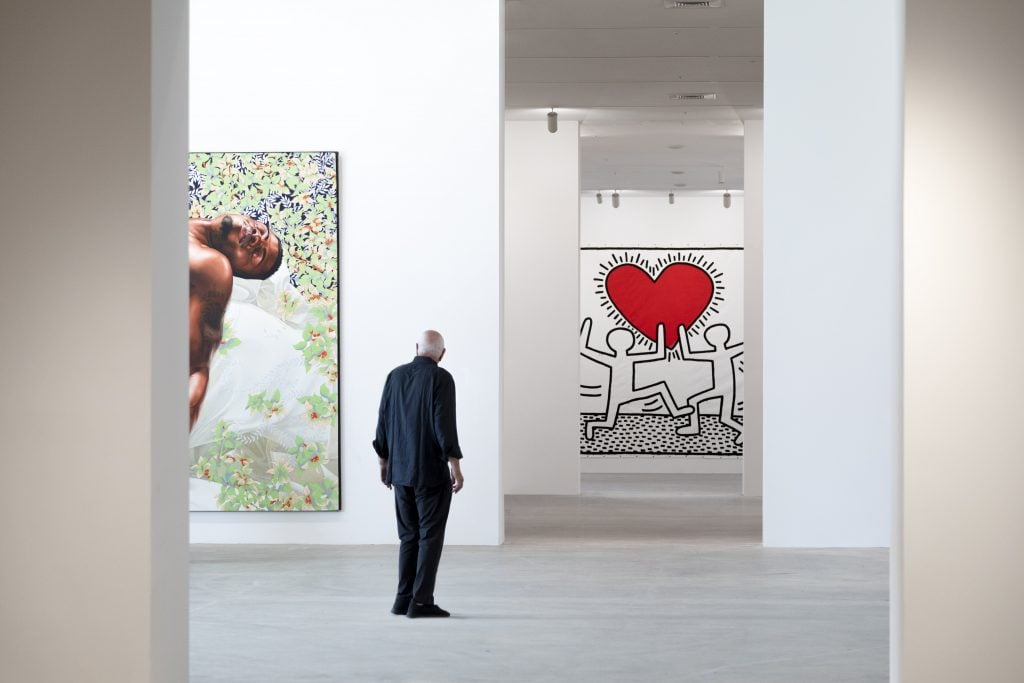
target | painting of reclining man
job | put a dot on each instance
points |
(263, 331)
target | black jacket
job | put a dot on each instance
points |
(416, 426)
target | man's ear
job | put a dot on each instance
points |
(441, 356)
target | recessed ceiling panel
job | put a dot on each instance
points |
(636, 69)
(614, 65)
(627, 13)
(635, 42)
(656, 94)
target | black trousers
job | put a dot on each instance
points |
(422, 515)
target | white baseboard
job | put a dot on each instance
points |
(626, 464)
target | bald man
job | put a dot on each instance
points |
(418, 451)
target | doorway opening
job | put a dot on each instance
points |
(659, 109)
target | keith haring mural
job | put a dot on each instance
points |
(661, 346)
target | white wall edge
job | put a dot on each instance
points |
(896, 534)
(169, 522)
(501, 274)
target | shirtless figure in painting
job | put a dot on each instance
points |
(219, 248)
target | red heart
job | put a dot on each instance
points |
(678, 296)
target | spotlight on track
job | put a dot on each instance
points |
(615, 199)
(552, 121)
(600, 199)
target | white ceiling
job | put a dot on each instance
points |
(614, 65)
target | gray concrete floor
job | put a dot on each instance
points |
(641, 578)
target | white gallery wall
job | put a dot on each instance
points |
(832, 271)
(541, 292)
(963, 514)
(93, 517)
(695, 220)
(753, 308)
(410, 97)
(644, 220)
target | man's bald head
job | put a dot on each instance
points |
(431, 344)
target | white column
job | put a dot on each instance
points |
(753, 307)
(92, 346)
(169, 359)
(541, 328)
(963, 513)
(832, 274)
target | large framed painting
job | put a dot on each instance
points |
(263, 331)
(661, 352)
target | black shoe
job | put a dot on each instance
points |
(401, 605)
(417, 610)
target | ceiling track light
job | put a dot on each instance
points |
(671, 197)
(688, 96)
(615, 199)
(600, 199)
(691, 4)
(727, 199)
(552, 121)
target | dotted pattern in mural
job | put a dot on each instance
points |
(656, 435)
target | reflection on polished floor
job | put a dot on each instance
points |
(640, 578)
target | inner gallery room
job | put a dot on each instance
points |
(511, 340)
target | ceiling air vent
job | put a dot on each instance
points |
(695, 96)
(680, 4)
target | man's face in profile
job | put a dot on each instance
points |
(250, 246)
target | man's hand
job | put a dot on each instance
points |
(457, 479)
(384, 472)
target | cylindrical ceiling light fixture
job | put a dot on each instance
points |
(600, 199)
(671, 197)
(727, 199)
(615, 199)
(552, 121)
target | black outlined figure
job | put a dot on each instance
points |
(723, 373)
(622, 363)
